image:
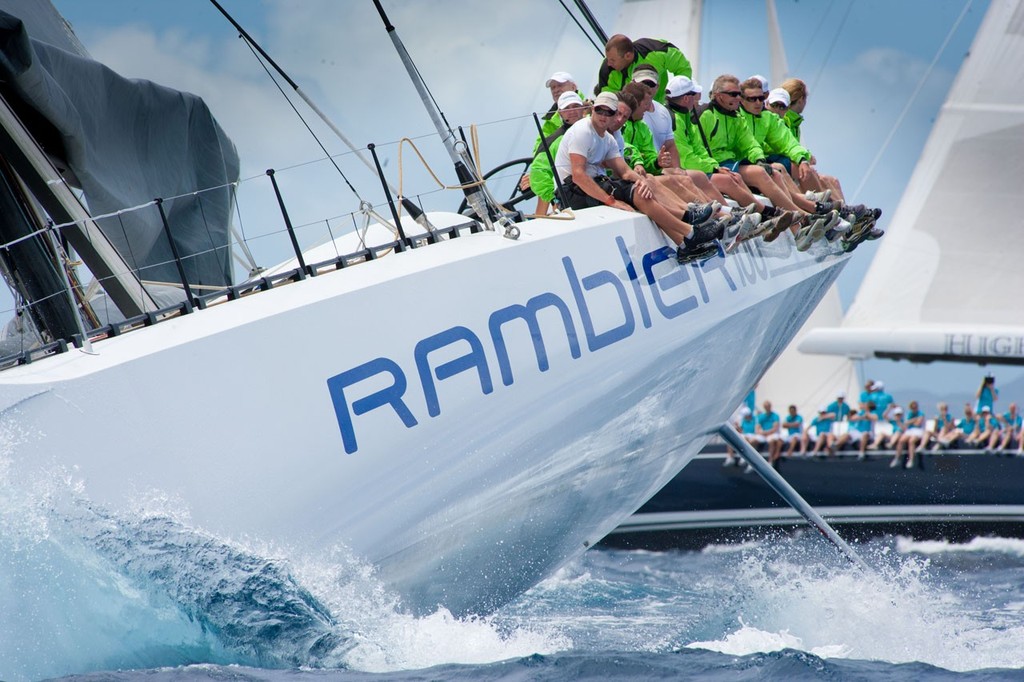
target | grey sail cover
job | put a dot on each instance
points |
(124, 142)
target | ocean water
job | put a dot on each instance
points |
(87, 595)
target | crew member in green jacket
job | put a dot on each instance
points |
(793, 118)
(622, 55)
(560, 81)
(731, 144)
(640, 153)
(542, 178)
(692, 155)
(779, 145)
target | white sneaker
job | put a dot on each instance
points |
(810, 234)
(818, 197)
(832, 221)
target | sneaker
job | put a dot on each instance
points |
(893, 464)
(831, 221)
(836, 232)
(733, 227)
(818, 196)
(750, 225)
(810, 234)
(729, 461)
(782, 223)
(874, 233)
(706, 231)
(856, 212)
(910, 464)
(745, 210)
(698, 213)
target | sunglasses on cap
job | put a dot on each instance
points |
(603, 111)
(756, 99)
(777, 105)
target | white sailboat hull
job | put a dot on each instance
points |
(373, 408)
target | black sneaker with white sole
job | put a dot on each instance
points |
(698, 213)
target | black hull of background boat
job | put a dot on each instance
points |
(954, 496)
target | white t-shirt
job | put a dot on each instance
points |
(582, 139)
(660, 123)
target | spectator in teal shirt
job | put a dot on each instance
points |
(794, 425)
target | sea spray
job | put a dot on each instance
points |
(798, 598)
(145, 589)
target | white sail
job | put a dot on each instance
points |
(945, 283)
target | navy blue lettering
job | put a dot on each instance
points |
(641, 302)
(676, 277)
(528, 313)
(475, 358)
(597, 341)
(392, 395)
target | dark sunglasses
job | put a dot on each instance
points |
(602, 111)
(756, 99)
(732, 93)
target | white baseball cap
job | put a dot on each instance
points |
(567, 99)
(679, 86)
(559, 77)
(778, 95)
(607, 99)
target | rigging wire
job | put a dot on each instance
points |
(300, 116)
(808, 44)
(592, 20)
(835, 41)
(911, 99)
(583, 30)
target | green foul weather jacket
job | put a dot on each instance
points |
(774, 137)
(728, 136)
(661, 54)
(693, 155)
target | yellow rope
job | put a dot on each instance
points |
(567, 214)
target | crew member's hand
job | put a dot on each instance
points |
(643, 188)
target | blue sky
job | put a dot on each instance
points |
(862, 60)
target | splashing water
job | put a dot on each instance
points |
(82, 589)
(147, 590)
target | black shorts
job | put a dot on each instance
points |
(620, 189)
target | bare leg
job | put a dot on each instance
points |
(703, 184)
(756, 176)
(731, 186)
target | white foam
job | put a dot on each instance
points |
(382, 638)
(1011, 546)
(748, 640)
(732, 547)
(897, 615)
